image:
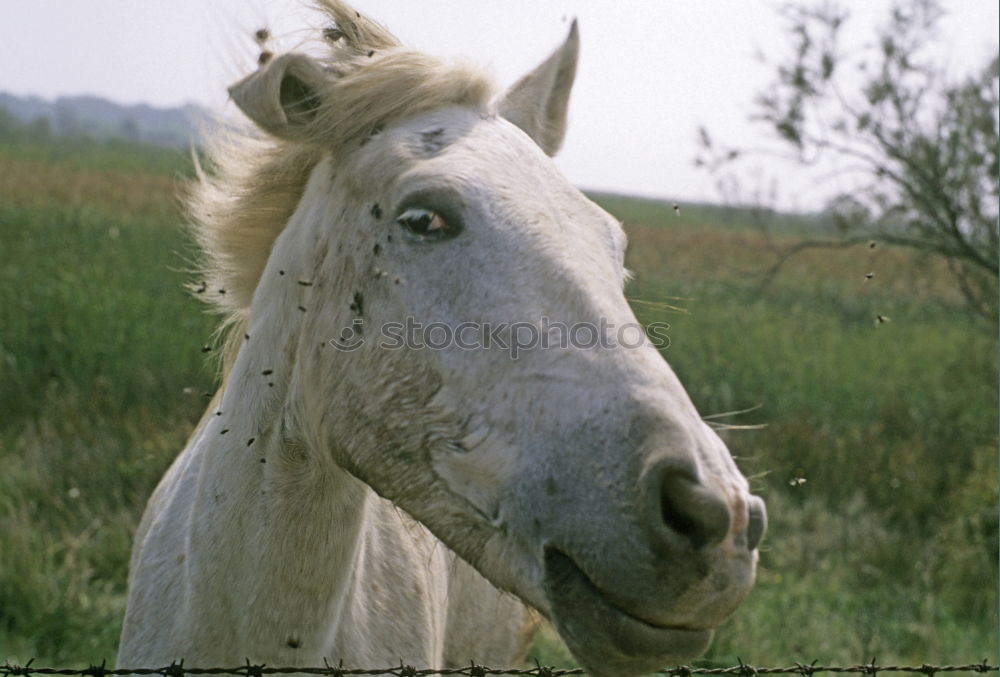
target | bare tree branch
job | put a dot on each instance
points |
(926, 148)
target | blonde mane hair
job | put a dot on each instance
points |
(254, 182)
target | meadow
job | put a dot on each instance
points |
(877, 456)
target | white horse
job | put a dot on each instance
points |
(348, 499)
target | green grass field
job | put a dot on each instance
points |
(887, 549)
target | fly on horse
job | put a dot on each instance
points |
(351, 500)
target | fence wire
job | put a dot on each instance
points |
(474, 670)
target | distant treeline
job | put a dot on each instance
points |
(99, 118)
(38, 129)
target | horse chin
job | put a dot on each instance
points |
(606, 639)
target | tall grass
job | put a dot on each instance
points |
(101, 376)
(887, 549)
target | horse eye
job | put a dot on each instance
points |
(424, 223)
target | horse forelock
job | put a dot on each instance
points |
(240, 204)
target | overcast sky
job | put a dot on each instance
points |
(651, 71)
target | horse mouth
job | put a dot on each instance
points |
(606, 638)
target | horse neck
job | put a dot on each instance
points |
(307, 542)
(282, 531)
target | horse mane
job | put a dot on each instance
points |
(240, 204)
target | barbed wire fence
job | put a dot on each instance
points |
(473, 670)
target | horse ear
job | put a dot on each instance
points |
(282, 97)
(537, 103)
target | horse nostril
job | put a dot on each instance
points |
(756, 522)
(689, 508)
